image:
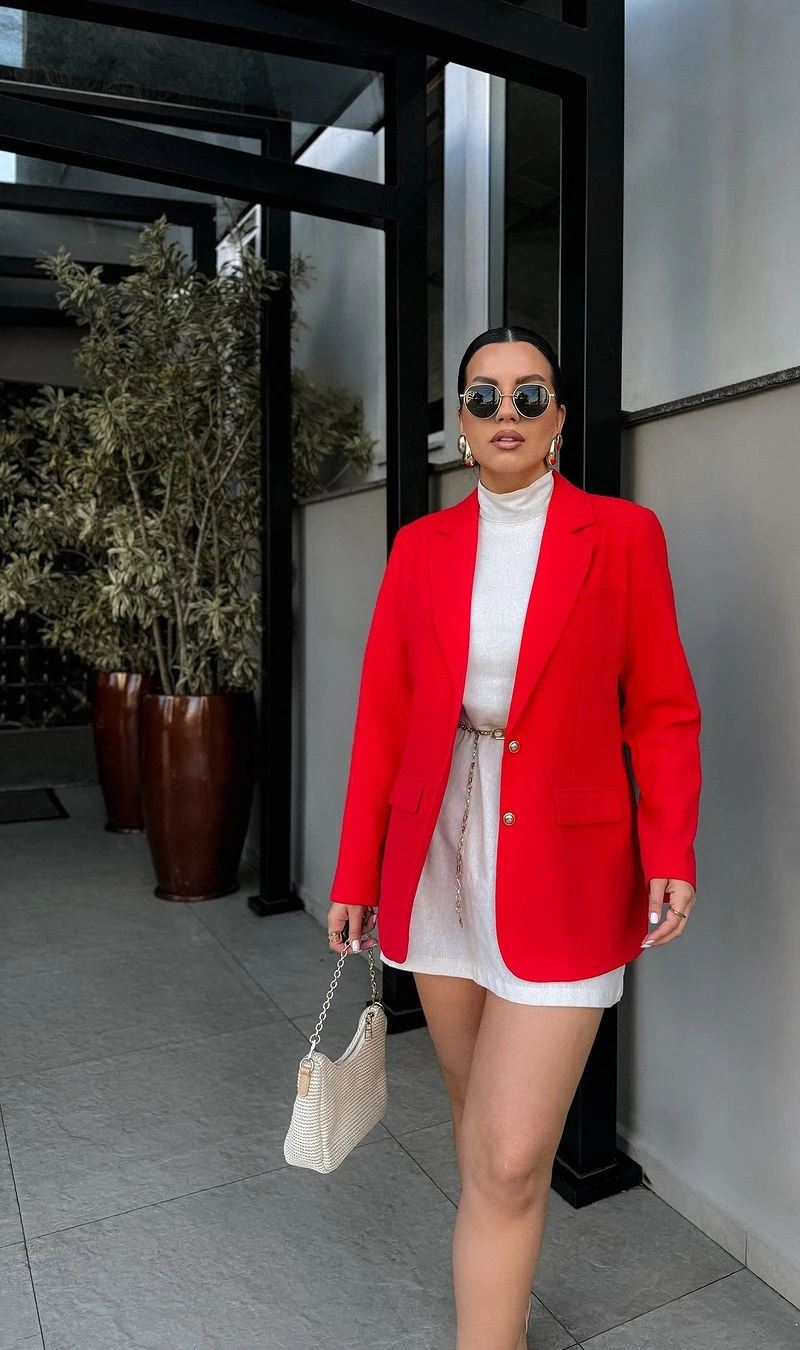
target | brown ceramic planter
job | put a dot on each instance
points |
(116, 706)
(198, 775)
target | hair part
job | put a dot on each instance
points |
(514, 334)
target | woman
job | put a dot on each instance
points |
(520, 641)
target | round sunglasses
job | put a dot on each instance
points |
(484, 400)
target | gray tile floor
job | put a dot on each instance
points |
(147, 1063)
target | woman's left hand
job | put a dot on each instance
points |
(681, 895)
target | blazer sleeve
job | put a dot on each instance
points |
(382, 711)
(660, 712)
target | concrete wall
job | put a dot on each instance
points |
(712, 207)
(710, 1090)
(341, 554)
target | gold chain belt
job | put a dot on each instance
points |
(497, 734)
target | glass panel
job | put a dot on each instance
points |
(533, 204)
(339, 355)
(49, 173)
(27, 234)
(570, 11)
(342, 148)
(27, 293)
(28, 297)
(550, 9)
(136, 68)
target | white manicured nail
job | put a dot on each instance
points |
(654, 917)
(355, 945)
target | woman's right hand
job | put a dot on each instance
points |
(361, 920)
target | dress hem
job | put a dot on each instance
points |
(506, 994)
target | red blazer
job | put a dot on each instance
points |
(601, 666)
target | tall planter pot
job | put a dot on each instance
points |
(198, 776)
(116, 713)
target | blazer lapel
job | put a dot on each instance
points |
(564, 556)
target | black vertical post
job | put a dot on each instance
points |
(205, 243)
(572, 297)
(406, 294)
(605, 127)
(275, 721)
(406, 364)
(588, 1166)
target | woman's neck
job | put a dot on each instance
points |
(495, 482)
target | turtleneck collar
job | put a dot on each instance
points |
(519, 505)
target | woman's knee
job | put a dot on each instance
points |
(511, 1174)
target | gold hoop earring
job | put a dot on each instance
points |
(467, 457)
(555, 446)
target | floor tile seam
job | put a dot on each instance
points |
(237, 959)
(168, 1200)
(81, 962)
(218, 940)
(554, 1315)
(24, 1242)
(398, 1139)
(424, 1172)
(243, 968)
(144, 1050)
(84, 963)
(159, 1204)
(627, 1321)
(417, 1129)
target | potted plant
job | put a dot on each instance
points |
(170, 415)
(53, 507)
(152, 470)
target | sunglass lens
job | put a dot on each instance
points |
(481, 400)
(531, 400)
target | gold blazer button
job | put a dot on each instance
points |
(509, 818)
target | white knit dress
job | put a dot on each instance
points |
(509, 536)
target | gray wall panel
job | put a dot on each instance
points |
(712, 207)
(710, 1092)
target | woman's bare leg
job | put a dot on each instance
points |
(453, 1009)
(526, 1064)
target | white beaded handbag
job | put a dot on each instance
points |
(339, 1101)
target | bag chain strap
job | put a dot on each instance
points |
(315, 1038)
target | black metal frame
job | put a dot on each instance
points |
(34, 197)
(239, 23)
(584, 65)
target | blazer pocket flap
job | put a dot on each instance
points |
(588, 806)
(407, 793)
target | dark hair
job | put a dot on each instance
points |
(513, 335)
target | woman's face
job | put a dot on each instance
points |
(510, 449)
